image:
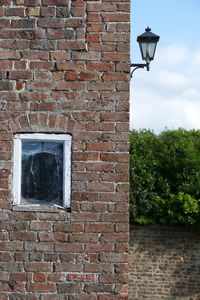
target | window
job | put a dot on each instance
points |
(42, 169)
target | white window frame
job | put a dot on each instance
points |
(66, 139)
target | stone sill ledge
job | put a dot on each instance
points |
(40, 208)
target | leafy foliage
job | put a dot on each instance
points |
(165, 177)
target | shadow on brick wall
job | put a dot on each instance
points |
(164, 262)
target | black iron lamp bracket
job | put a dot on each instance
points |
(139, 66)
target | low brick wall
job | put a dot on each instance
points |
(164, 263)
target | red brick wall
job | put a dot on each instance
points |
(164, 263)
(64, 67)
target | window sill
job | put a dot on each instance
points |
(40, 208)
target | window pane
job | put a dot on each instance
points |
(42, 172)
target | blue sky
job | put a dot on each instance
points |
(169, 94)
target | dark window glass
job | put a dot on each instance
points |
(42, 172)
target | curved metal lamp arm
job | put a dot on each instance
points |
(139, 66)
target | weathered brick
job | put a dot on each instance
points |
(55, 2)
(4, 23)
(14, 44)
(41, 226)
(109, 297)
(46, 11)
(5, 65)
(33, 11)
(39, 277)
(41, 287)
(60, 55)
(40, 55)
(68, 287)
(4, 276)
(20, 64)
(85, 217)
(15, 11)
(116, 17)
(66, 34)
(23, 236)
(101, 146)
(95, 27)
(39, 246)
(101, 86)
(72, 45)
(12, 266)
(123, 7)
(71, 66)
(28, 2)
(2, 12)
(23, 23)
(84, 238)
(21, 256)
(69, 247)
(48, 296)
(68, 267)
(62, 12)
(92, 6)
(33, 96)
(20, 75)
(29, 34)
(94, 17)
(99, 287)
(110, 177)
(84, 56)
(69, 227)
(38, 266)
(113, 278)
(98, 227)
(113, 257)
(81, 277)
(75, 23)
(115, 57)
(44, 65)
(51, 23)
(100, 66)
(10, 55)
(19, 276)
(93, 38)
(100, 247)
(42, 75)
(5, 256)
(42, 45)
(115, 76)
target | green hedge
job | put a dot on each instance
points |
(165, 177)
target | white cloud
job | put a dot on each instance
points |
(192, 115)
(196, 56)
(168, 95)
(173, 54)
(191, 93)
(171, 79)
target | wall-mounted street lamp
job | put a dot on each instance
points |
(147, 43)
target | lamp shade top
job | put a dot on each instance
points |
(148, 36)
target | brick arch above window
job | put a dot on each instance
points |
(41, 122)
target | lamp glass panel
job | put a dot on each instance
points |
(148, 51)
